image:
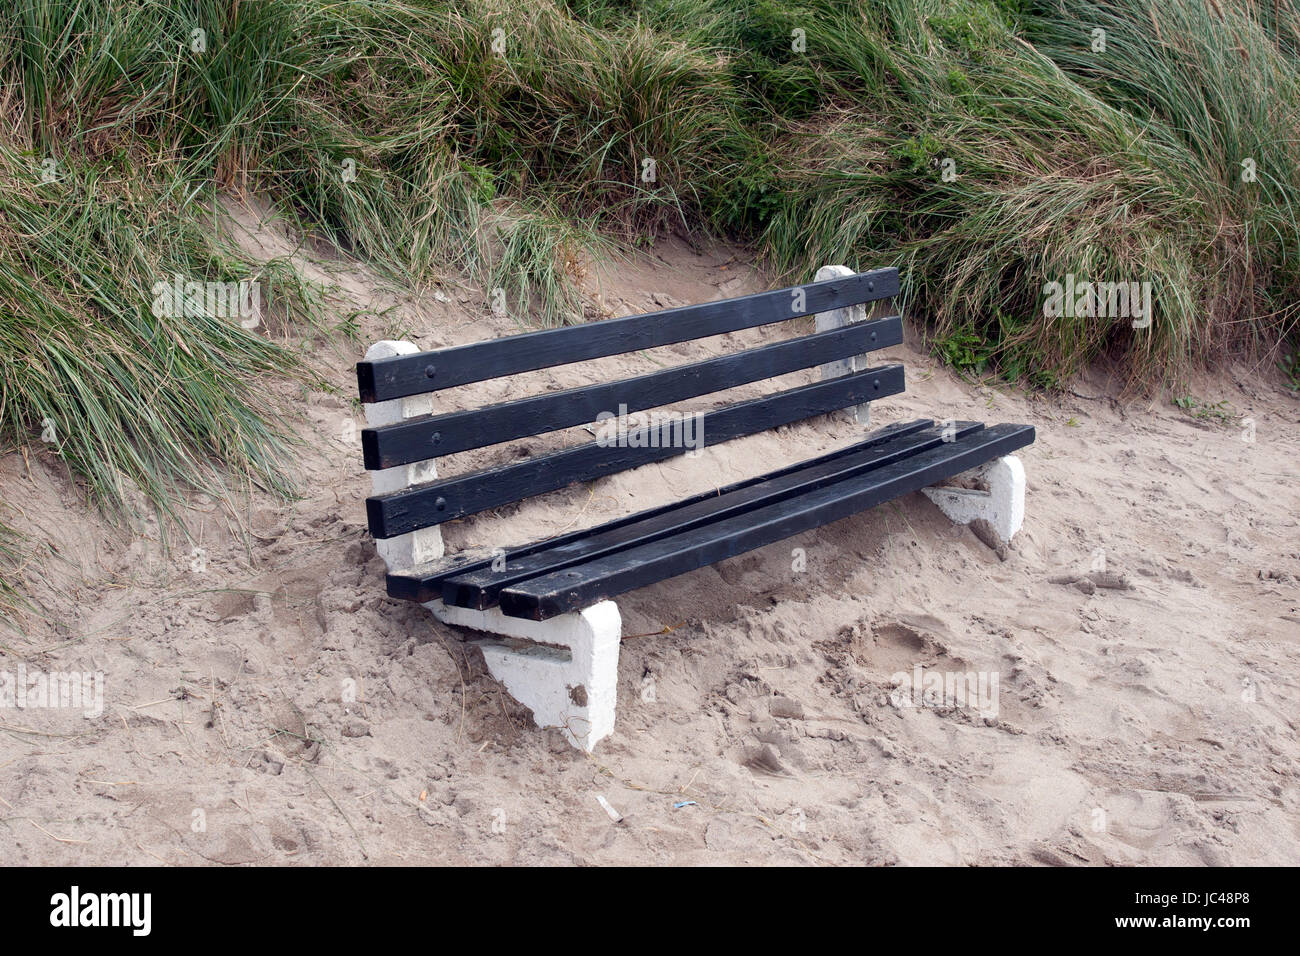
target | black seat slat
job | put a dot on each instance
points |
(417, 439)
(436, 502)
(425, 583)
(402, 375)
(580, 586)
(479, 589)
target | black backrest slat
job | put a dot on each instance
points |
(402, 375)
(429, 436)
(439, 501)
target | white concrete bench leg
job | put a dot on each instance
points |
(406, 550)
(567, 672)
(1002, 506)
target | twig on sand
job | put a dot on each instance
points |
(52, 836)
(581, 512)
(312, 777)
(666, 629)
(1090, 398)
(152, 703)
(154, 855)
(687, 785)
(460, 673)
(37, 733)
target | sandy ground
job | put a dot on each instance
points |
(264, 702)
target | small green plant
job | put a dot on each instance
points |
(917, 154)
(964, 349)
(1221, 412)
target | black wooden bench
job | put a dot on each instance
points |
(567, 575)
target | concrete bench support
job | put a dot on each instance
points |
(1002, 506)
(406, 550)
(564, 669)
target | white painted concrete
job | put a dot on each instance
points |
(567, 673)
(406, 550)
(1002, 506)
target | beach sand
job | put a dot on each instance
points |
(265, 702)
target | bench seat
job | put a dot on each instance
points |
(548, 578)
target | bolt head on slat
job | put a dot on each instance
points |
(441, 504)
(430, 371)
(436, 438)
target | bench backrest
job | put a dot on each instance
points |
(430, 436)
